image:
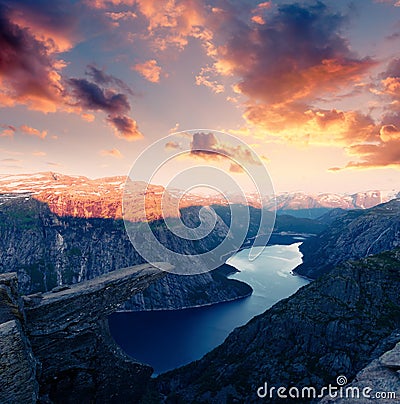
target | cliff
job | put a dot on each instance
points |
(381, 376)
(47, 250)
(333, 326)
(56, 346)
(351, 235)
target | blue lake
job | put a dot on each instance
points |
(168, 339)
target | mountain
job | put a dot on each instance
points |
(47, 250)
(333, 326)
(79, 196)
(351, 235)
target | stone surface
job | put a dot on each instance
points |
(69, 334)
(18, 367)
(18, 382)
(379, 377)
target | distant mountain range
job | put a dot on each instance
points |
(79, 196)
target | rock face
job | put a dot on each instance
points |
(330, 327)
(71, 344)
(47, 251)
(381, 377)
(178, 291)
(351, 235)
(18, 367)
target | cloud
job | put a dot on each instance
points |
(302, 124)
(204, 78)
(29, 74)
(172, 145)
(125, 127)
(286, 65)
(385, 153)
(117, 17)
(90, 96)
(107, 3)
(207, 146)
(32, 36)
(53, 164)
(111, 153)
(39, 154)
(10, 160)
(28, 130)
(149, 70)
(236, 168)
(396, 3)
(7, 130)
(100, 77)
(175, 128)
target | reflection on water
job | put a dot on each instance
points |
(168, 339)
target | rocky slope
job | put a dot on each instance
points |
(47, 250)
(333, 326)
(351, 235)
(380, 377)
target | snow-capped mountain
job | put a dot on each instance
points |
(80, 196)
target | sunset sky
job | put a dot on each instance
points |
(312, 87)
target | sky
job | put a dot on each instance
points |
(313, 87)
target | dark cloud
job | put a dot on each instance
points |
(32, 34)
(207, 146)
(125, 127)
(287, 64)
(297, 54)
(26, 67)
(91, 96)
(100, 77)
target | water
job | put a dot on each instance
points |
(168, 339)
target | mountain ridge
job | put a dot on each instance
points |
(80, 196)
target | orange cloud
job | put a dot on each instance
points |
(7, 130)
(172, 146)
(124, 127)
(28, 130)
(258, 19)
(39, 154)
(150, 70)
(236, 168)
(31, 39)
(299, 123)
(383, 153)
(171, 23)
(204, 78)
(106, 3)
(112, 153)
(207, 146)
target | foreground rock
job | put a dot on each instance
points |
(18, 366)
(60, 341)
(333, 326)
(377, 382)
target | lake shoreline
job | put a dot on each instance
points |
(246, 247)
(167, 339)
